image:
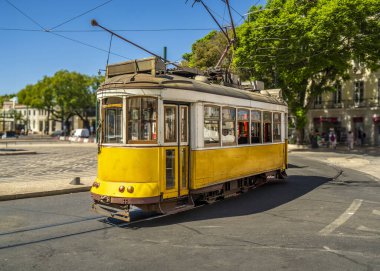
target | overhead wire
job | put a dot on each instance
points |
(80, 15)
(224, 1)
(89, 45)
(117, 30)
(26, 15)
(60, 35)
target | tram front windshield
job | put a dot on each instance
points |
(140, 117)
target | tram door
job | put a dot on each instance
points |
(176, 150)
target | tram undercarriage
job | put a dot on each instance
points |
(113, 207)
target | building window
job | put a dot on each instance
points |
(337, 95)
(211, 125)
(318, 100)
(358, 92)
(255, 127)
(228, 126)
(34, 112)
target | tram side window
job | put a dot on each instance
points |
(255, 127)
(170, 129)
(243, 130)
(142, 120)
(276, 127)
(112, 114)
(267, 118)
(211, 129)
(228, 126)
(286, 126)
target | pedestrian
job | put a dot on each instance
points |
(363, 139)
(350, 140)
(333, 140)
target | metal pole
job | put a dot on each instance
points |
(165, 53)
(95, 23)
(216, 21)
(96, 120)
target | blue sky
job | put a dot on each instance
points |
(27, 53)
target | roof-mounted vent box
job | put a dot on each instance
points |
(152, 65)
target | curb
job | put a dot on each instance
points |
(77, 139)
(17, 152)
(45, 193)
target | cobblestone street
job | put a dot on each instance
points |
(51, 162)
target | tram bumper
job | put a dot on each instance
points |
(109, 211)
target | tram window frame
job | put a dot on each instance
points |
(258, 124)
(146, 119)
(267, 121)
(277, 127)
(112, 104)
(233, 129)
(245, 121)
(173, 125)
(184, 121)
(286, 126)
(214, 120)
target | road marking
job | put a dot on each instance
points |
(364, 228)
(376, 212)
(209, 227)
(342, 218)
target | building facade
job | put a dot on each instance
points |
(354, 106)
(18, 117)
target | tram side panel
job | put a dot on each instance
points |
(130, 167)
(217, 165)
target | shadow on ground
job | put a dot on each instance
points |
(259, 200)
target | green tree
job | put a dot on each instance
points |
(63, 95)
(5, 98)
(305, 46)
(206, 51)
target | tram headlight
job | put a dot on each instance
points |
(122, 189)
(96, 184)
(130, 189)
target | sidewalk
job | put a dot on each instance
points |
(37, 169)
(363, 159)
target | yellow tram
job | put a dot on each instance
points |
(169, 139)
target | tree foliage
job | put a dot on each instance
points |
(4, 98)
(206, 51)
(301, 46)
(63, 95)
(305, 46)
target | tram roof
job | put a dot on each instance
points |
(148, 81)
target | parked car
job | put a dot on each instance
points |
(9, 134)
(82, 133)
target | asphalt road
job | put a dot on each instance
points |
(311, 222)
